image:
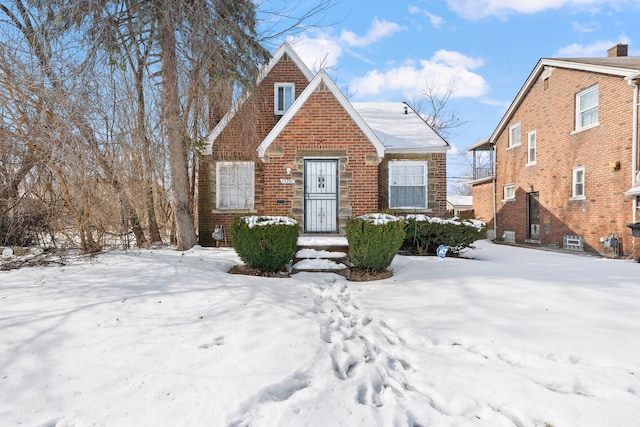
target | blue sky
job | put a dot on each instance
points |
(384, 50)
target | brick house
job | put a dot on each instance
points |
(295, 146)
(561, 168)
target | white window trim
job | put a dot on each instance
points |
(578, 111)
(574, 196)
(276, 86)
(511, 143)
(535, 148)
(504, 192)
(426, 183)
(250, 199)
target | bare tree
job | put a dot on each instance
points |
(432, 103)
(105, 104)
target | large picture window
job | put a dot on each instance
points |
(408, 185)
(587, 108)
(234, 185)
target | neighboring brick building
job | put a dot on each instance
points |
(295, 146)
(566, 158)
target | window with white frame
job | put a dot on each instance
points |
(531, 152)
(514, 135)
(577, 186)
(234, 185)
(284, 94)
(408, 185)
(587, 108)
(509, 192)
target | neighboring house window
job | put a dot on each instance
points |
(408, 185)
(234, 185)
(531, 153)
(577, 186)
(587, 108)
(509, 192)
(514, 135)
(284, 93)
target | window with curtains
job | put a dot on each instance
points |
(408, 185)
(587, 108)
(234, 185)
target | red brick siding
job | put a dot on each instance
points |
(483, 202)
(551, 113)
(322, 128)
(238, 141)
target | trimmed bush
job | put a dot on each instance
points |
(374, 240)
(267, 243)
(424, 234)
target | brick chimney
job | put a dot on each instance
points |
(618, 50)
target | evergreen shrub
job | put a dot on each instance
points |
(267, 243)
(424, 234)
(374, 240)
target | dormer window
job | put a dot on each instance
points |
(283, 97)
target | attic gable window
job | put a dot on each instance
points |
(284, 94)
(587, 108)
(234, 185)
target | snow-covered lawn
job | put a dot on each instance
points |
(513, 337)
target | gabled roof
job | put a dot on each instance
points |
(624, 67)
(321, 77)
(284, 49)
(400, 128)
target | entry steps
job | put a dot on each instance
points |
(326, 256)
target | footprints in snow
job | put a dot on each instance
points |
(219, 340)
(361, 348)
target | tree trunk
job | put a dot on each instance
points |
(172, 120)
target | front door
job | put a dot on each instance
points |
(321, 196)
(533, 215)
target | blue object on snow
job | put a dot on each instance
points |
(442, 251)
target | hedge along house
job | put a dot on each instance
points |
(295, 146)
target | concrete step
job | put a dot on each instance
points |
(322, 259)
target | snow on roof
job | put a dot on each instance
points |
(460, 200)
(400, 128)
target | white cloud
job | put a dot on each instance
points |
(379, 29)
(321, 52)
(586, 27)
(597, 49)
(324, 49)
(478, 9)
(444, 68)
(435, 20)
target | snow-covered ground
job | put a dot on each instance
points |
(512, 337)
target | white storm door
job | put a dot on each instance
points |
(321, 196)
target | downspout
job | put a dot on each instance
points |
(635, 175)
(495, 209)
(632, 81)
(495, 217)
